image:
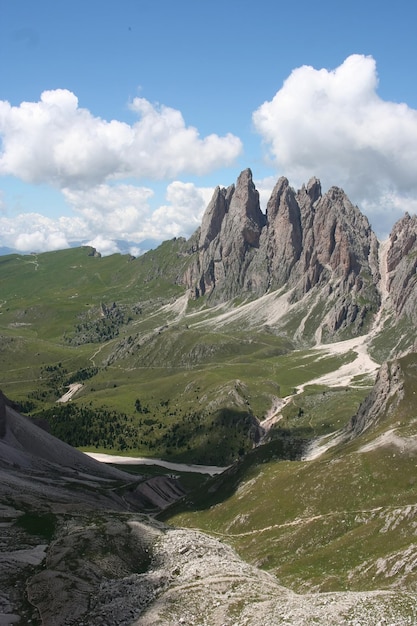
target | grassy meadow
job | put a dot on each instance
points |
(156, 379)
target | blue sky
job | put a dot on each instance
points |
(117, 119)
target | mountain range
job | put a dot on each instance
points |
(281, 345)
(319, 249)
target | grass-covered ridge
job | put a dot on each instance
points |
(164, 375)
(161, 373)
(343, 521)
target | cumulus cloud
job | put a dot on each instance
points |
(32, 232)
(265, 187)
(107, 214)
(103, 245)
(333, 124)
(182, 215)
(124, 211)
(116, 212)
(57, 142)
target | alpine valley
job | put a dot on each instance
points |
(270, 361)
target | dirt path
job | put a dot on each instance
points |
(306, 520)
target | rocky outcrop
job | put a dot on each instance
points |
(63, 527)
(337, 242)
(385, 395)
(281, 240)
(304, 241)
(4, 403)
(30, 456)
(402, 268)
(106, 569)
(229, 235)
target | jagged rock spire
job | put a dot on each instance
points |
(306, 241)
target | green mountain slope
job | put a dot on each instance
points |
(159, 373)
(345, 520)
(162, 374)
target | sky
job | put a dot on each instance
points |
(119, 118)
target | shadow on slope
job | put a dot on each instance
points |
(345, 520)
(220, 488)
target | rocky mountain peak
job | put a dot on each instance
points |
(245, 218)
(402, 240)
(213, 216)
(245, 198)
(279, 192)
(229, 233)
(343, 236)
(383, 399)
(402, 267)
(240, 206)
(281, 242)
(313, 189)
(313, 244)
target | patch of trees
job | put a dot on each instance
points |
(140, 408)
(85, 426)
(182, 435)
(26, 406)
(83, 373)
(98, 325)
(220, 438)
(53, 381)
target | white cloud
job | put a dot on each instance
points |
(182, 216)
(116, 212)
(136, 250)
(124, 212)
(103, 245)
(333, 124)
(32, 232)
(57, 142)
(106, 214)
(265, 187)
(40, 241)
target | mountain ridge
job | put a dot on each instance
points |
(308, 243)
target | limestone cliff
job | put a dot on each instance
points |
(385, 395)
(229, 235)
(306, 241)
(402, 268)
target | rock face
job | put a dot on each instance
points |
(29, 456)
(320, 249)
(306, 241)
(64, 530)
(228, 238)
(402, 267)
(384, 397)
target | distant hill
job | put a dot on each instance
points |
(5, 250)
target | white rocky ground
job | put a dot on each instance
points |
(72, 390)
(211, 470)
(195, 580)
